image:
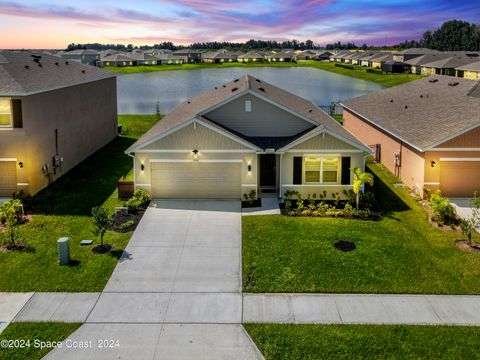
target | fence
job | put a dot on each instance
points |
(333, 109)
(125, 188)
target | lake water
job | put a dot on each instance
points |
(139, 93)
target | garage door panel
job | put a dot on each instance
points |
(196, 180)
(8, 178)
(459, 178)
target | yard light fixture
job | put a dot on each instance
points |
(195, 155)
(432, 163)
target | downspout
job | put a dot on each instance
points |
(280, 195)
(134, 171)
(400, 160)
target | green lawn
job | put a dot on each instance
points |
(42, 332)
(385, 80)
(63, 209)
(293, 342)
(401, 253)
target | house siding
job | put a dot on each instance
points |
(321, 142)
(265, 119)
(412, 165)
(86, 118)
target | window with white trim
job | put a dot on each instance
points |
(321, 169)
(248, 105)
(5, 113)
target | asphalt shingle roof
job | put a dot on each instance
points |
(196, 106)
(422, 113)
(25, 73)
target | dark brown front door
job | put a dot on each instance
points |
(268, 177)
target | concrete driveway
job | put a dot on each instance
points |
(183, 246)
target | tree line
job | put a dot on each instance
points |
(454, 35)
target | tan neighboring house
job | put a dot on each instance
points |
(448, 65)
(416, 63)
(242, 136)
(470, 71)
(53, 114)
(412, 53)
(426, 132)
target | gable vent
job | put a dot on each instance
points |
(453, 83)
(433, 80)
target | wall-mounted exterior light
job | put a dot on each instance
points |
(195, 155)
(20, 164)
(142, 167)
(249, 167)
(432, 163)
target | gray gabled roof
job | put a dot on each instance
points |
(471, 67)
(422, 113)
(26, 73)
(202, 103)
(427, 58)
(417, 51)
(451, 62)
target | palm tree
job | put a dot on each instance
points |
(358, 181)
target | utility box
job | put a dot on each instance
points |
(63, 245)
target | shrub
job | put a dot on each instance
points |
(11, 218)
(140, 199)
(250, 197)
(374, 71)
(346, 66)
(126, 225)
(443, 211)
(26, 200)
(427, 192)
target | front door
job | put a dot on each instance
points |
(268, 177)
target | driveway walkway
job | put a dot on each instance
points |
(176, 292)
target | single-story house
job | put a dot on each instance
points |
(217, 57)
(470, 71)
(427, 132)
(367, 57)
(378, 60)
(242, 136)
(411, 53)
(54, 113)
(143, 58)
(118, 60)
(84, 56)
(416, 63)
(392, 66)
(169, 59)
(250, 57)
(447, 66)
(282, 56)
(189, 55)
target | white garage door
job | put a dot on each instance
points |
(459, 178)
(8, 178)
(196, 180)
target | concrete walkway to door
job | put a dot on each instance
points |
(176, 291)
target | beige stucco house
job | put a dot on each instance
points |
(242, 136)
(54, 113)
(426, 132)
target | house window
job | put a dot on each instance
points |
(5, 113)
(248, 105)
(321, 169)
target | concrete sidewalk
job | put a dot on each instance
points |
(10, 306)
(361, 309)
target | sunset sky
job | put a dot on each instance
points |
(55, 23)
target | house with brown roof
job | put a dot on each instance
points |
(54, 113)
(427, 132)
(447, 65)
(469, 71)
(242, 136)
(84, 56)
(412, 53)
(415, 64)
(251, 56)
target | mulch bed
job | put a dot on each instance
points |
(121, 218)
(462, 244)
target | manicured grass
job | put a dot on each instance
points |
(385, 80)
(64, 209)
(42, 332)
(401, 253)
(291, 342)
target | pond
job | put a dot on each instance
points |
(139, 93)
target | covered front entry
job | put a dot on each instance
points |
(8, 177)
(196, 180)
(268, 173)
(460, 178)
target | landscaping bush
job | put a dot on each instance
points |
(374, 71)
(11, 219)
(346, 66)
(101, 223)
(140, 199)
(26, 200)
(443, 211)
(250, 197)
(126, 225)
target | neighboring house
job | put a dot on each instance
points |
(189, 56)
(88, 56)
(409, 54)
(415, 64)
(246, 135)
(118, 60)
(392, 66)
(470, 71)
(447, 66)
(323, 55)
(356, 58)
(53, 115)
(217, 57)
(308, 55)
(378, 60)
(143, 58)
(427, 132)
(169, 59)
(282, 56)
(367, 57)
(250, 57)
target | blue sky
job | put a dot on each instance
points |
(54, 23)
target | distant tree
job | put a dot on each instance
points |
(454, 35)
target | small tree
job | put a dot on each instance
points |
(358, 181)
(11, 219)
(469, 225)
(101, 222)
